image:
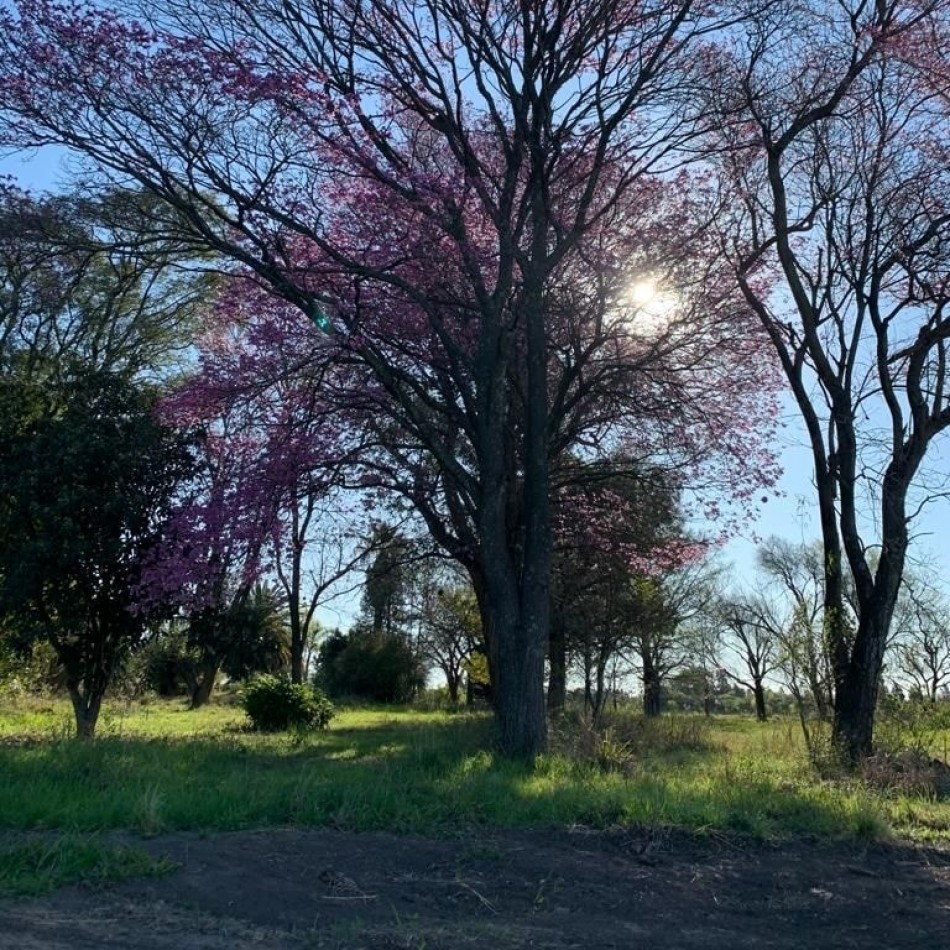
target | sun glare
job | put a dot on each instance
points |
(642, 293)
(650, 307)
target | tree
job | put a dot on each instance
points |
(210, 556)
(370, 664)
(337, 149)
(89, 309)
(259, 641)
(88, 475)
(275, 450)
(617, 535)
(679, 633)
(251, 636)
(451, 630)
(921, 641)
(835, 213)
(794, 610)
(79, 284)
(385, 588)
(753, 640)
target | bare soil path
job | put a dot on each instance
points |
(501, 890)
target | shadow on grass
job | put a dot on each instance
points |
(432, 776)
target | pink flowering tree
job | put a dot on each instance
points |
(459, 196)
(832, 155)
(273, 452)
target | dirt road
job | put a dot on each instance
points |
(501, 890)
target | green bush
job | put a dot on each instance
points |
(274, 704)
(370, 665)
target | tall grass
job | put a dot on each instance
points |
(160, 768)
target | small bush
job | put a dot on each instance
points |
(274, 704)
(908, 773)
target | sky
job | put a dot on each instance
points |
(791, 511)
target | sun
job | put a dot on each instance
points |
(642, 293)
(650, 308)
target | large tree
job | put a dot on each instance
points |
(89, 311)
(459, 193)
(836, 215)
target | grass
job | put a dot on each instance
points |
(158, 768)
(41, 865)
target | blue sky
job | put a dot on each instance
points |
(793, 514)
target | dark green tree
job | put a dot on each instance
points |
(386, 589)
(369, 664)
(87, 477)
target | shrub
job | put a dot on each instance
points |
(30, 668)
(274, 704)
(167, 661)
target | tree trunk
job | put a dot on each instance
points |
(453, 681)
(858, 682)
(600, 694)
(557, 668)
(651, 687)
(758, 692)
(856, 698)
(296, 645)
(518, 686)
(202, 685)
(515, 548)
(86, 708)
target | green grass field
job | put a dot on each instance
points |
(159, 767)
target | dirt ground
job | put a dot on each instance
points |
(501, 890)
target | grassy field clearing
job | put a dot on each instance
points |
(158, 767)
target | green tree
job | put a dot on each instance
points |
(369, 664)
(87, 478)
(386, 589)
(84, 281)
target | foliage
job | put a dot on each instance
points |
(79, 284)
(88, 475)
(258, 638)
(270, 448)
(165, 660)
(386, 584)
(616, 536)
(274, 704)
(913, 725)
(31, 668)
(697, 689)
(371, 665)
(466, 248)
